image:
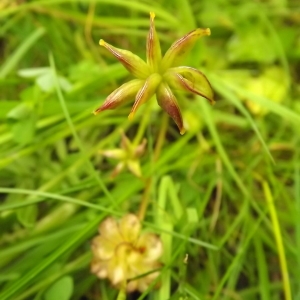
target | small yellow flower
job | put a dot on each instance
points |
(159, 75)
(128, 156)
(121, 253)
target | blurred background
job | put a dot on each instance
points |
(233, 180)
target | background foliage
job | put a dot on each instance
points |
(227, 193)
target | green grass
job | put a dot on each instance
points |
(224, 198)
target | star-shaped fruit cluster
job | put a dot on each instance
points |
(159, 75)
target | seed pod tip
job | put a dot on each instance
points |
(131, 116)
(182, 131)
(152, 15)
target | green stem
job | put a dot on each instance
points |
(279, 241)
(159, 143)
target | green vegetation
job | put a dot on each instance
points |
(224, 197)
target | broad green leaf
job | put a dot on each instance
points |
(61, 289)
(19, 112)
(33, 72)
(27, 215)
(24, 130)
